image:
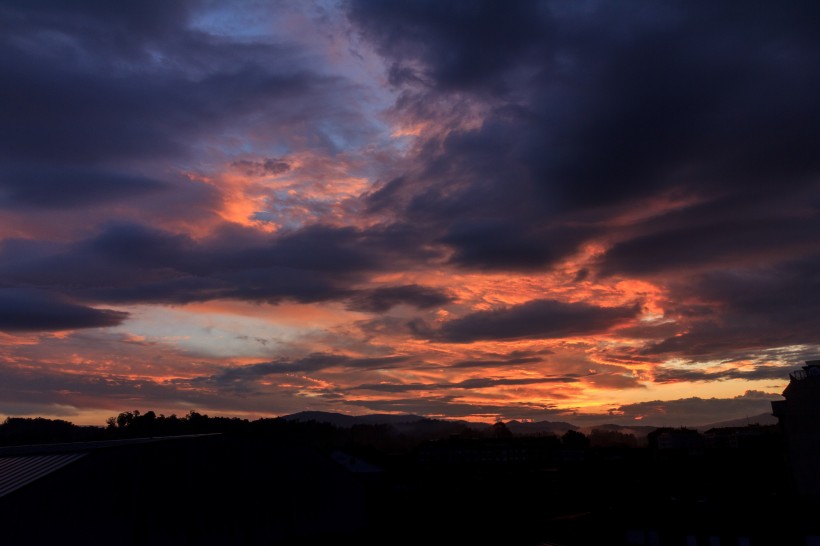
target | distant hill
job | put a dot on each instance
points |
(388, 419)
(437, 428)
(539, 427)
(416, 425)
(347, 421)
(560, 428)
(762, 419)
(413, 426)
(639, 431)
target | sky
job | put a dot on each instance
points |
(567, 211)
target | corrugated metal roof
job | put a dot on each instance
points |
(21, 465)
(15, 472)
(45, 449)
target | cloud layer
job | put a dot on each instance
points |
(465, 209)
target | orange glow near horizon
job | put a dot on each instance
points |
(596, 376)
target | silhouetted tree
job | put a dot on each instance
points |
(23, 430)
(126, 418)
(611, 438)
(574, 439)
(500, 430)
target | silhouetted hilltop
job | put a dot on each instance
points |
(387, 431)
(426, 429)
(405, 424)
(640, 431)
(557, 428)
(346, 421)
(415, 424)
(761, 419)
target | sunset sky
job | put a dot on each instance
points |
(569, 211)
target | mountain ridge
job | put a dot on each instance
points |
(525, 428)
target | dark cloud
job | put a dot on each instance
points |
(309, 364)
(137, 22)
(615, 378)
(56, 392)
(515, 361)
(82, 109)
(718, 242)
(22, 391)
(698, 411)
(670, 375)
(481, 38)
(744, 309)
(30, 311)
(134, 263)
(453, 407)
(71, 188)
(266, 167)
(133, 245)
(96, 99)
(587, 110)
(650, 331)
(468, 384)
(506, 244)
(601, 111)
(379, 300)
(534, 319)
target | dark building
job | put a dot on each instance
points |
(202, 489)
(799, 416)
(735, 438)
(492, 452)
(677, 440)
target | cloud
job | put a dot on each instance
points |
(607, 153)
(467, 384)
(127, 262)
(59, 393)
(379, 300)
(504, 245)
(537, 319)
(580, 115)
(718, 242)
(483, 39)
(699, 411)
(744, 309)
(23, 310)
(452, 407)
(102, 106)
(670, 375)
(267, 167)
(515, 361)
(62, 188)
(312, 363)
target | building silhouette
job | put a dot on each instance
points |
(799, 416)
(206, 489)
